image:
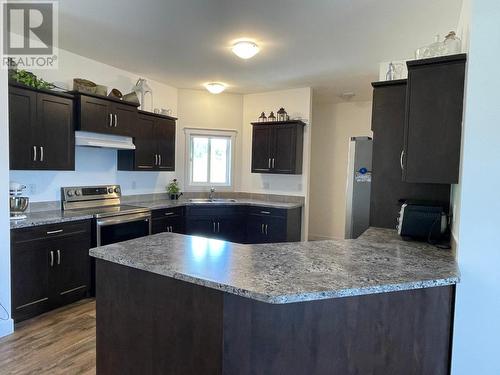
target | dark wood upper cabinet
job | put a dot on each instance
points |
(106, 115)
(433, 124)
(387, 186)
(277, 147)
(164, 131)
(41, 129)
(154, 139)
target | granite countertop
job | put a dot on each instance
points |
(60, 216)
(377, 262)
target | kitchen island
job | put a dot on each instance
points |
(175, 304)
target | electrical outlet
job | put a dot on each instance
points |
(32, 189)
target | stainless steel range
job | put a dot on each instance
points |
(114, 222)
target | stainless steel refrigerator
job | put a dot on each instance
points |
(359, 177)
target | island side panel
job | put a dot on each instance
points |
(151, 324)
(405, 333)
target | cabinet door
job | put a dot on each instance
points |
(205, 227)
(255, 230)
(71, 273)
(22, 115)
(261, 148)
(165, 135)
(124, 119)
(145, 144)
(284, 146)
(231, 228)
(434, 121)
(55, 134)
(30, 265)
(168, 224)
(95, 115)
(387, 186)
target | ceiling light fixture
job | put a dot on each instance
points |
(215, 87)
(245, 49)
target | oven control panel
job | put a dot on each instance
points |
(79, 193)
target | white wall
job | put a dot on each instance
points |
(334, 124)
(298, 103)
(6, 325)
(96, 166)
(477, 324)
(200, 109)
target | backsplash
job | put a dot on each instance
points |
(93, 166)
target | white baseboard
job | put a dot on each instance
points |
(6, 327)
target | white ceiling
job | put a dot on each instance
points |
(331, 45)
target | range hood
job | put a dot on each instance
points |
(89, 139)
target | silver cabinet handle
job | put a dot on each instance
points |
(401, 159)
(159, 159)
(169, 213)
(266, 229)
(110, 120)
(218, 227)
(55, 231)
(274, 160)
(51, 258)
(265, 212)
(214, 227)
(41, 153)
(144, 166)
(116, 120)
(34, 153)
(262, 228)
(269, 163)
(58, 257)
(156, 159)
(171, 229)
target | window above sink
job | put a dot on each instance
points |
(210, 156)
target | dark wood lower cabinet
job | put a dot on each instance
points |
(182, 328)
(169, 220)
(50, 267)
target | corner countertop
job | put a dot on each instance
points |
(377, 262)
(59, 216)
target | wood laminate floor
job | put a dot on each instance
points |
(59, 342)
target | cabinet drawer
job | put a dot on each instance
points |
(50, 231)
(168, 212)
(267, 211)
(215, 211)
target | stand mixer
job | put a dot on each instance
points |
(18, 204)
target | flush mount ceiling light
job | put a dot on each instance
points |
(245, 49)
(215, 87)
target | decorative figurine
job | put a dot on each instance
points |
(282, 115)
(271, 117)
(262, 117)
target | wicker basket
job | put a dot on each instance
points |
(84, 85)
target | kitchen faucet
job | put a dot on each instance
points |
(212, 193)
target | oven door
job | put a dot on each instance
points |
(122, 228)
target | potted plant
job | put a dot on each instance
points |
(173, 189)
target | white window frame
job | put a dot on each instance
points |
(210, 133)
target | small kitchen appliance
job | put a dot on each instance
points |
(17, 202)
(422, 220)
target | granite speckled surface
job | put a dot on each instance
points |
(59, 216)
(377, 262)
(49, 217)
